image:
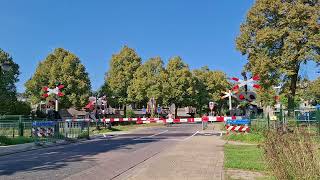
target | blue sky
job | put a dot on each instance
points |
(201, 32)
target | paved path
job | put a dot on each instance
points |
(200, 158)
(115, 157)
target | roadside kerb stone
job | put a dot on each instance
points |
(12, 149)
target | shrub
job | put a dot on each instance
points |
(83, 135)
(292, 155)
(4, 140)
(130, 114)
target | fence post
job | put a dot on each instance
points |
(20, 126)
(268, 119)
(88, 127)
(318, 118)
(56, 130)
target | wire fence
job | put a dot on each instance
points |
(42, 130)
(307, 120)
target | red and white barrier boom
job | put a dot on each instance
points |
(160, 120)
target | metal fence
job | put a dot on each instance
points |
(310, 121)
(42, 129)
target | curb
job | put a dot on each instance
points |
(33, 146)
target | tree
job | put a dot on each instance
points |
(119, 77)
(178, 85)
(209, 86)
(22, 108)
(63, 67)
(147, 82)
(7, 83)
(312, 92)
(277, 36)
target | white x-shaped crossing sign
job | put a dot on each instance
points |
(251, 82)
(55, 91)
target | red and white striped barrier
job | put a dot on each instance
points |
(237, 128)
(160, 120)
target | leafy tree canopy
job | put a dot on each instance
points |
(209, 85)
(119, 77)
(279, 35)
(312, 92)
(7, 83)
(178, 85)
(63, 67)
(147, 82)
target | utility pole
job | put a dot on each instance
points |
(245, 78)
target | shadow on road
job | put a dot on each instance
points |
(60, 157)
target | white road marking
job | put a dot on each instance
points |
(110, 135)
(48, 153)
(162, 139)
(191, 136)
(151, 135)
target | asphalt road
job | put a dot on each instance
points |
(101, 158)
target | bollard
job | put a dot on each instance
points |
(20, 126)
(88, 129)
(318, 118)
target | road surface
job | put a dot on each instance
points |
(105, 157)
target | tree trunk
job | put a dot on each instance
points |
(293, 87)
(125, 110)
(200, 110)
(176, 112)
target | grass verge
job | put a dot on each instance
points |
(247, 138)
(247, 157)
(4, 141)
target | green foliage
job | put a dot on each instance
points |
(22, 108)
(83, 135)
(4, 140)
(248, 157)
(292, 155)
(130, 114)
(277, 36)
(248, 138)
(63, 67)
(119, 77)
(147, 82)
(209, 86)
(7, 84)
(312, 92)
(178, 84)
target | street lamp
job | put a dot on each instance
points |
(5, 66)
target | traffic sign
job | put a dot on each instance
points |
(211, 105)
(238, 122)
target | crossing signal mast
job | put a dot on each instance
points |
(242, 96)
(56, 91)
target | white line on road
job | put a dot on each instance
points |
(191, 136)
(151, 135)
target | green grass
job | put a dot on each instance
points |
(247, 138)
(247, 157)
(12, 141)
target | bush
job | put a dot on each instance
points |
(4, 140)
(130, 114)
(83, 135)
(292, 155)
